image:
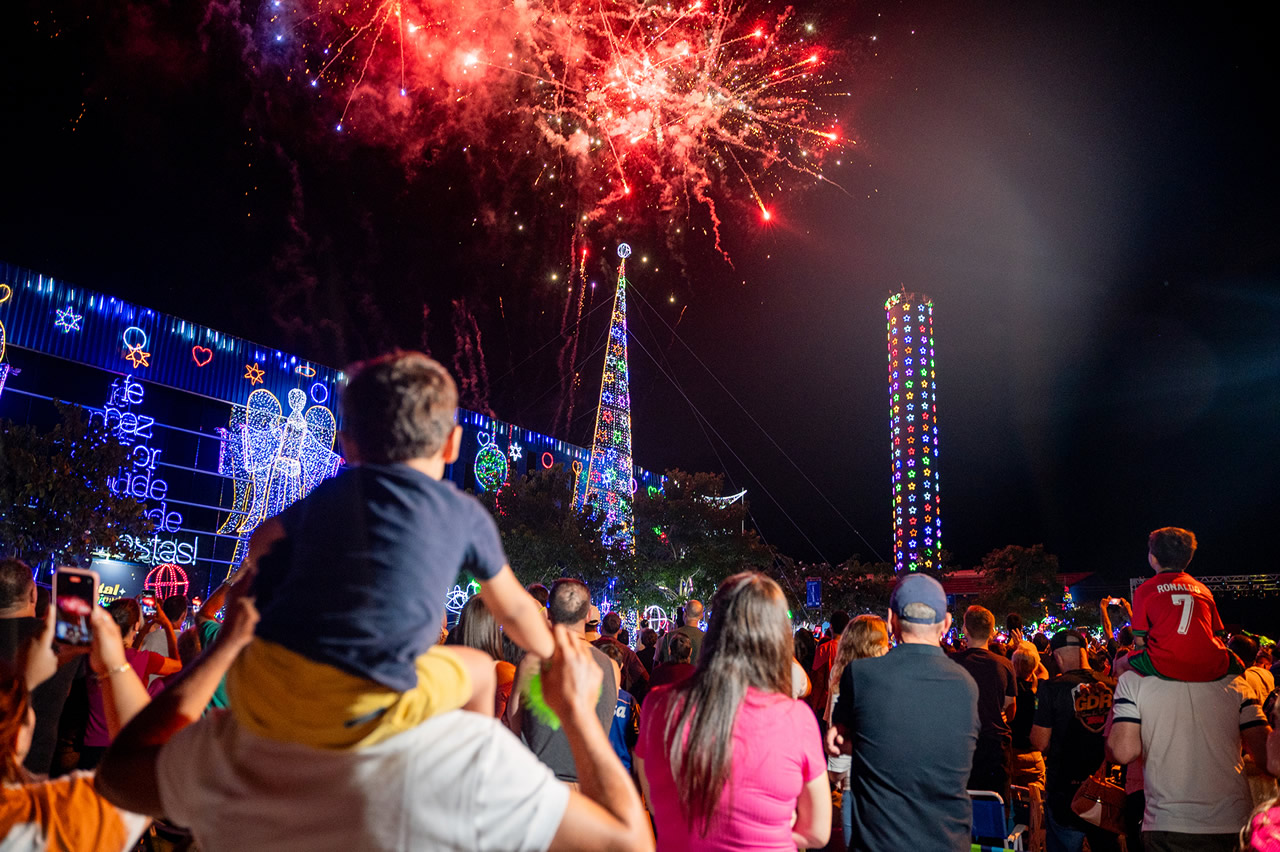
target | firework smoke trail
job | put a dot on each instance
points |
(568, 357)
(570, 340)
(424, 340)
(468, 360)
(636, 105)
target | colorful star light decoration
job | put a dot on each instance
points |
(514, 452)
(609, 483)
(913, 425)
(135, 342)
(254, 373)
(68, 319)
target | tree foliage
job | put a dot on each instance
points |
(688, 539)
(854, 586)
(55, 495)
(1022, 580)
(542, 534)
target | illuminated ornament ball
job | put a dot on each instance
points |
(624, 251)
(456, 599)
(657, 618)
(166, 580)
(490, 464)
(913, 427)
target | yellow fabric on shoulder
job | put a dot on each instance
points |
(282, 695)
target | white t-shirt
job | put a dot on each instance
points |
(800, 686)
(1260, 682)
(156, 641)
(459, 781)
(1192, 767)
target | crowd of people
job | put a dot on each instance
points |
(320, 700)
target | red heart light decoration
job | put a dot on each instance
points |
(201, 355)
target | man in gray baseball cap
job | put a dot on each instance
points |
(909, 720)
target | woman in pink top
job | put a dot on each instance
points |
(128, 617)
(727, 759)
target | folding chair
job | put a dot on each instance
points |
(991, 824)
(1028, 809)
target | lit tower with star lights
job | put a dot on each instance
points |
(608, 483)
(913, 432)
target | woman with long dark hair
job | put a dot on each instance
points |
(477, 628)
(727, 759)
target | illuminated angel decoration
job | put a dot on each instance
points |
(274, 460)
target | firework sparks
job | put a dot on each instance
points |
(616, 101)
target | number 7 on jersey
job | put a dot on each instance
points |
(1188, 604)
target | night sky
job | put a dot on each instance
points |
(1086, 190)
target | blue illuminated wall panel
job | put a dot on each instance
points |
(203, 413)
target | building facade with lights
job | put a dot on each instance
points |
(913, 432)
(222, 432)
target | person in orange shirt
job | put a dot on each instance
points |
(38, 814)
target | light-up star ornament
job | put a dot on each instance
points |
(254, 373)
(514, 452)
(68, 319)
(135, 344)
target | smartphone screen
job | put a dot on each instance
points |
(75, 595)
(148, 605)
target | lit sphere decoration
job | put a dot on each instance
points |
(166, 580)
(456, 599)
(490, 464)
(624, 251)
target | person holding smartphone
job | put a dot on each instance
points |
(159, 633)
(127, 615)
(18, 626)
(68, 808)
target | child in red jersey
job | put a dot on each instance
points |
(1178, 632)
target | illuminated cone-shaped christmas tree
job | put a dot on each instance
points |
(913, 425)
(608, 485)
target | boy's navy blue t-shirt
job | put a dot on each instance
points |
(371, 554)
